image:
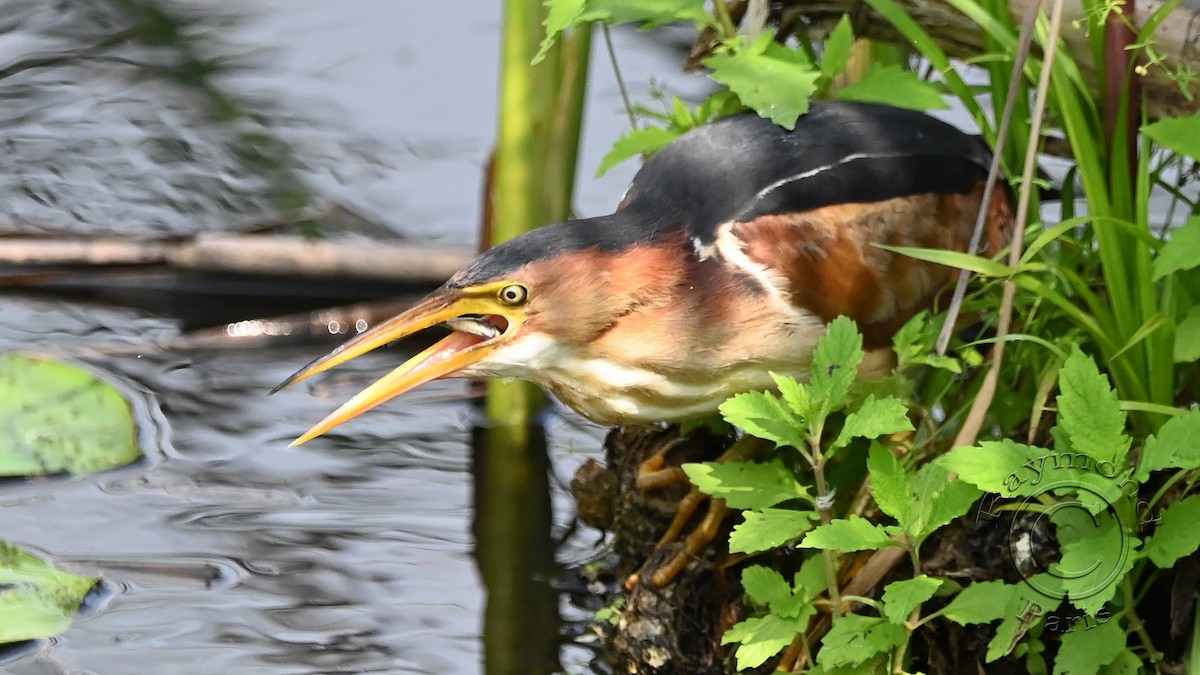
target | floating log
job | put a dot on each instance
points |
(247, 254)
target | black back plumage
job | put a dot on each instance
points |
(743, 167)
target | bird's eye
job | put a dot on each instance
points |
(514, 294)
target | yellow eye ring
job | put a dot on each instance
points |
(514, 295)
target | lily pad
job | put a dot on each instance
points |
(57, 417)
(36, 600)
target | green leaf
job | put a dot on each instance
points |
(1177, 134)
(1175, 446)
(855, 638)
(1012, 469)
(900, 598)
(914, 344)
(747, 485)
(1005, 467)
(1026, 608)
(1097, 552)
(1125, 663)
(1088, 411)
(837, 48)
(36, 600)
(1181, 252)
(681, 117)
(896, 86)
(762, 415)
(763, 637)
(794, 394)
(58, 417)
(981, 602)
(835, 363)
(874, 418)
(973, 263)
(764, 585)
(854, 534)
(769, 528)
(1083, 652)
(1187, 337)
(943, 501)
(776, 83)
(646, 140)
(889, 483)
(811, 581)
(560, 15)
(648, 13)
(1176, 534)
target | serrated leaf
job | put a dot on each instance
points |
(1181, 252)
(764, 585)
(1088, 411)
(893, 85)
(36, 600)
(1026, 608)
(1125, 663)
(1011, 469)
(853, 534)
(889, 483)
(776, 88)
(1176, 534)
(794, 394)
(1083, 652)
(762, 415)
(874, 418)
(646, 140)
(1175, 446)
(761, 638)
(811, 581)
(560, 15)
(981, 602)
(769, 528)
(681, 117)
(835, 363)
(1178, 134)
(994, 466)
(59, 417)
(900, 598)
(747, 485)
(1187, 337)
(648, 13)
(1097, 552)
(855, 638)
(944, 501)
(837, 48)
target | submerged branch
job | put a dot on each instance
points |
(246, 253)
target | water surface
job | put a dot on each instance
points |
(225, 551)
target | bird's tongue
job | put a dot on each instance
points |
(447, 347)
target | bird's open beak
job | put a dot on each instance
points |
(478, 326)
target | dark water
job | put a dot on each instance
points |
(225, 551)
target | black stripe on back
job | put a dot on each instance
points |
(743, 167)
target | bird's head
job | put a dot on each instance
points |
(514, 311)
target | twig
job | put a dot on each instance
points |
(974, 422)
(1014, 83)
(612, 58)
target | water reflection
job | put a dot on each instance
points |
(515, 550)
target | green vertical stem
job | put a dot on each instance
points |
(540, 117)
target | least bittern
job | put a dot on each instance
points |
(732, 249)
